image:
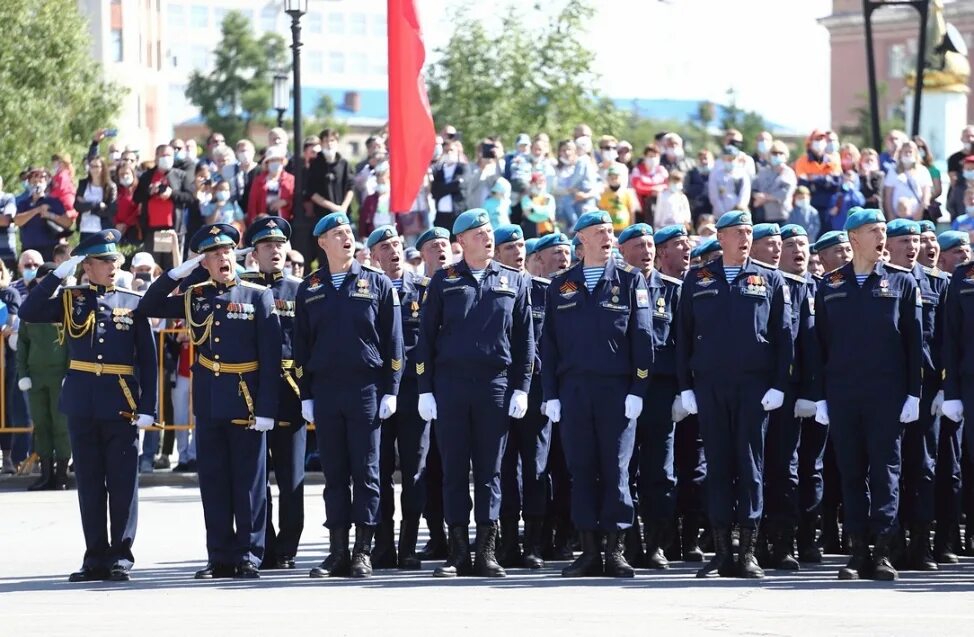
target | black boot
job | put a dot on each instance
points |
(747, 563)
(384, 553)
(921, 557)
(437, 548)
(339, 560)
(589, 563)
(782, 547)
(562, 543)
(882, 568)
(615, 555)
(707, 544)
(657, 537)
(722, 562)
(531, 557)
(831, 544)
(458, 563)
(508, 550)
(43, 483)
(362, 551)
(945, 543)
(60, 481)
(408, 532)
(690, 539)
(485, 560)
(635, 554)
(808, 550)
(89, 574)
(859, 565)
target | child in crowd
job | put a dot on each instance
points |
(537, 208)
(672, 207)
(845, 199)
(498, 204)
(804, 215)
(618, 199)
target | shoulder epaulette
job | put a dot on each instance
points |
(293, 279)
(793, 277)
(625, 267)
(201, 284)
(764, 265)
(670, 279)
(249, 274)
(249, 284)
(897, 267)
(371, 268)
(128, 291)
(936, 273)
(422, 280)
(541, 279)
(508, 267)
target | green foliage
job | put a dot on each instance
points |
(239, 89)
(52, 93)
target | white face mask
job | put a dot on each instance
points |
(127, 180)
(329, 153)
(245, 156)
(164, 163)
(818, 146)
(907, 160)
(609, 155)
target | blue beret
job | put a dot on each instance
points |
(470, 219)
(214, 236)
(576, 241)
(858, 217)
(765, 230)
(593, 218)
(531, 246)
(952, 238)
(902, 228)
(328, 222)
(669, 232)
(831, 238)
(792, 230)
(552, 240)
(267, 229)
(706, 246)
(927, 226)
(382, 233)
(100, 244)
(636, 230)
(734, 218)
(431, 234)
(507, 233)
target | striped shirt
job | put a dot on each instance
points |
(397, 284)
(592, 276)
(861, 278)
(477, 274)
(338, 279)
(731, 272)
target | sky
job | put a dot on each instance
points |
(773, 52)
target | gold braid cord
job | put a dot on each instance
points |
(72, 329)
(206, 325)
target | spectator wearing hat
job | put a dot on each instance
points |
(518, 166)
(618, 199)
(40, 218)
(498, 203)
(272, 190)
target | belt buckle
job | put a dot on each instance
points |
(216, 367)
(99, 368)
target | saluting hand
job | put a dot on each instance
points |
(67, 268)
(186, 268)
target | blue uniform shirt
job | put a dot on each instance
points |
(539, 290)
(933, 293)
(802, 293)
(958, 328)
(664, 299)
(411, 299)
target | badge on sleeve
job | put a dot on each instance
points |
(787, 293)
(642, 298)
(919, 298)
(395, 298)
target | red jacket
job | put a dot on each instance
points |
(257, 205)
(63, 189)
(648, 183)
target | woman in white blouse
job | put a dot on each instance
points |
(95, 200)
(906, 190)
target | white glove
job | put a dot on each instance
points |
(938, 403)
(12, 341)
(772, 399)
(308, 410)
(804, 408)
(544, 410)
(263, 424)
(689, 400)
(185, 268)
(143, 421)
(427, 407)
(519, 404)
(953, 409)
(634, 407)
(553, 411)
(822, 412)
(678, 412)
(24, 384)
(387, 407)
(911, 410)
(68, 267)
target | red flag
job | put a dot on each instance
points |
(411, 132)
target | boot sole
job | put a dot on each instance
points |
(848, 576)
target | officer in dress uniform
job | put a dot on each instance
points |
(598, 388)
(236, 378)
(348, 341)
(404, 430)
(868, 326)
(922, 438)
(286, 443)
(474, 360)
(735, 383)
(523, 470)
(109, 393)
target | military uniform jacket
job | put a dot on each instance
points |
(102, 326)
(740, 327)
(476, 330)
(664, 300)
(355, 330)
(539, 292)
(958, 324)
(870, 336)
(411, 300)
(802, 292)
(606, 332)
(230, 324)
(933, 294)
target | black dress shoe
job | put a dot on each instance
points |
(118, 573)
(214, 571)
(284, 563)
(246, 570)
(89, 574)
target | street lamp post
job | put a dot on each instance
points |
(296, 9)
(281, 97)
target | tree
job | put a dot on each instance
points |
(861, 132)
(239, 89)
(748, 122)
(53, 95)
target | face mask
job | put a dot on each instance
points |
(329, 153)
(451, 157)
(674, 154)
(180, 155)
(801, 203)
(164, 163)
(273, 167)
(762, 146)
(29, 274)
(288, 270)
(535, 191)
(968, 209)
(615, 187)
(382, 188)
(40, 188)
(923, 154)
(676, 187)
(127, 180)
(818, 146)
(831, 147)
(651, 162)
(704, 169)
(776, 160)
(870, 166)
(245, 156)
(907, 160)
(114, 156)
(609, 155)
(968, 146)
(222, 196)
(969, 175)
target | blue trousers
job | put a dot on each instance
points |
(781, 443)
(558, 480)
(433, 510)
(655, 438)
(411, 435)
(524, 487)
(286, 447)
(231, 461)
(106, 458)
(921, 440)
(948, 479)
(599, 442)
(690, 467)
(811, 466)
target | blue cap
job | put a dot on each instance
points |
(669, 232)
(552, 240)
(576, 241)
(636, 230)
(927, 226)
(734, 218)
(765, 230)
(471, 219)
(593, 218)
(953, 238)
(530, 246)
(328, 222)
(707, 246)
(382, 233)
(267, 229)
(100, 244)
(792, 230)
(858, 217)
(831, 238)
(506, 233)
(431, 234)
(902, 228)
(214, 236)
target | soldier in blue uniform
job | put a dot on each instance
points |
(868, 327)
(523, 470)
(109, 393)
(348, 341)
(734, 351)
(236, 378)
(766, 249)
(473, 361)
(705, 252)
(404, 430)
(287, 441)
(597, 352)
(955, 249)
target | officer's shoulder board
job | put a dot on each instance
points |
(936, 273)
(764, 265)
(541, 280)
(292, 279)
(892, 266)
(421, 281)
(252, 285)
(793, 277)
(506, 267)
(245, 277)
(371, 268)
(129, 292)
(671, 279)
(199, 286)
